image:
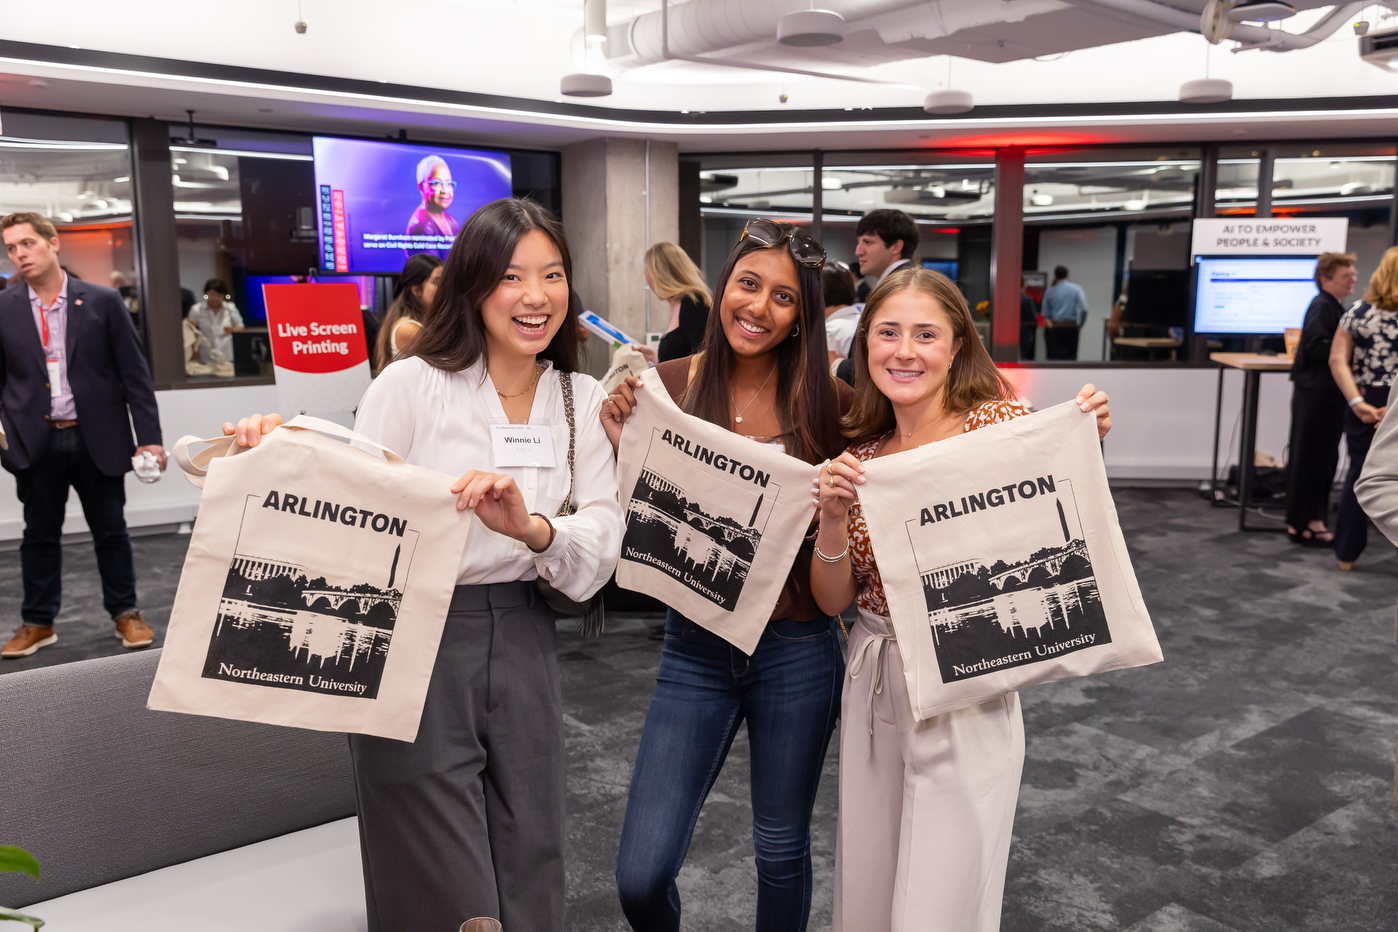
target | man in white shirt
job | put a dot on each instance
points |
(842, 310)
(887, 240)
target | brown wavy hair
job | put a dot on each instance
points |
(807, 406)
(452, 337)
(972, 381)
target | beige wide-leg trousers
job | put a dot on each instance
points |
(926, 808)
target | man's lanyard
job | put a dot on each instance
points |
(44, 320)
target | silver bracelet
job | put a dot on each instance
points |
(836, 558)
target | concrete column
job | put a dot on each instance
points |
(619, 197)
(1006, 257)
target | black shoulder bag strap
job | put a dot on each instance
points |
(594, 617)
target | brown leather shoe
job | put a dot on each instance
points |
(133, 630)
(27, 640)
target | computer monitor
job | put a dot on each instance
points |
(1252, 294)
(947, 267)
(1157, 298)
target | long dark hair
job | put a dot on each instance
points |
(807, 406)
(972, 381)
(453, 335)
(416, 271)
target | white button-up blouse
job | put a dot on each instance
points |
(441, 420)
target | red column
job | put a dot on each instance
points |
(1007, 254)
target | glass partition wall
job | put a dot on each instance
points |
(1102, 215)
(1118, 219)
(951, 198)
(76, 172)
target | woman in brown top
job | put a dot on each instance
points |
(764, 374)
(926, 808)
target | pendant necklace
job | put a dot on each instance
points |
(739, 418)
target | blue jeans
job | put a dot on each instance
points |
(788, 692)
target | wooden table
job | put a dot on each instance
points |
(1252, 365)
(1151, 344)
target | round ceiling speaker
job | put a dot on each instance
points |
(1206, 91)
(948, 102)
(811, 28)
(583, 84)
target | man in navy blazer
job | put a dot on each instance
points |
(71, 368)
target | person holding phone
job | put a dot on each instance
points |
(926, 808)
(467, 820)
(763, 373)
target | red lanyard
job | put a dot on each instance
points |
(44, 321)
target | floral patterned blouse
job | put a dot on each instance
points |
(861, 555)
(1375, 355)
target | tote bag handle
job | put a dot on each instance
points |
(196, 467)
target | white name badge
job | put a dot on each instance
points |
(55, 378)
(522, 445)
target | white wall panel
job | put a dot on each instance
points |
(1162, 418)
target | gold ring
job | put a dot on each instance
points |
(832, 480)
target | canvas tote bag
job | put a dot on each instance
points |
(316, 584)
(1003, 562)
(713, 519)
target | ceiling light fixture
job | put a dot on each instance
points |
(1206, 91)
(948, 102)
(583, 83)
(1260, 11)
(811, 28)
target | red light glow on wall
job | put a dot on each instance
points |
(1025, 139)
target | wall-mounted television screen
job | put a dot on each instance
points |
(1252, 294)
(380, 202)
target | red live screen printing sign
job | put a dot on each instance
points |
(315, 328)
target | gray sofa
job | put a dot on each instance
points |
(100, 789)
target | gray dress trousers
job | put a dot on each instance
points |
(467, 820)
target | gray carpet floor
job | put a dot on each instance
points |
(1245, 785)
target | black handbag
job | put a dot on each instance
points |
(594, 618)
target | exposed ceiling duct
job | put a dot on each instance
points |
(700, 27)
(1259, 37)
(846, 36)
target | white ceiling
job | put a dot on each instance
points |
(520, 48)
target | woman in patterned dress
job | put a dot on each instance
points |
(926, 808)
(1363, 360)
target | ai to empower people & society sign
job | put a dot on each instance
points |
(1003, 562)
(713, 519)
(320, 355)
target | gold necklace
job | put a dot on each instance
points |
(538, 371)
(739, 418)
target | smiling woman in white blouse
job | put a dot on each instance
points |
(468, 820)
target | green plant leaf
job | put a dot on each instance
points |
(17, 859)
(15, 916)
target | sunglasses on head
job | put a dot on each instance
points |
(806, 251)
